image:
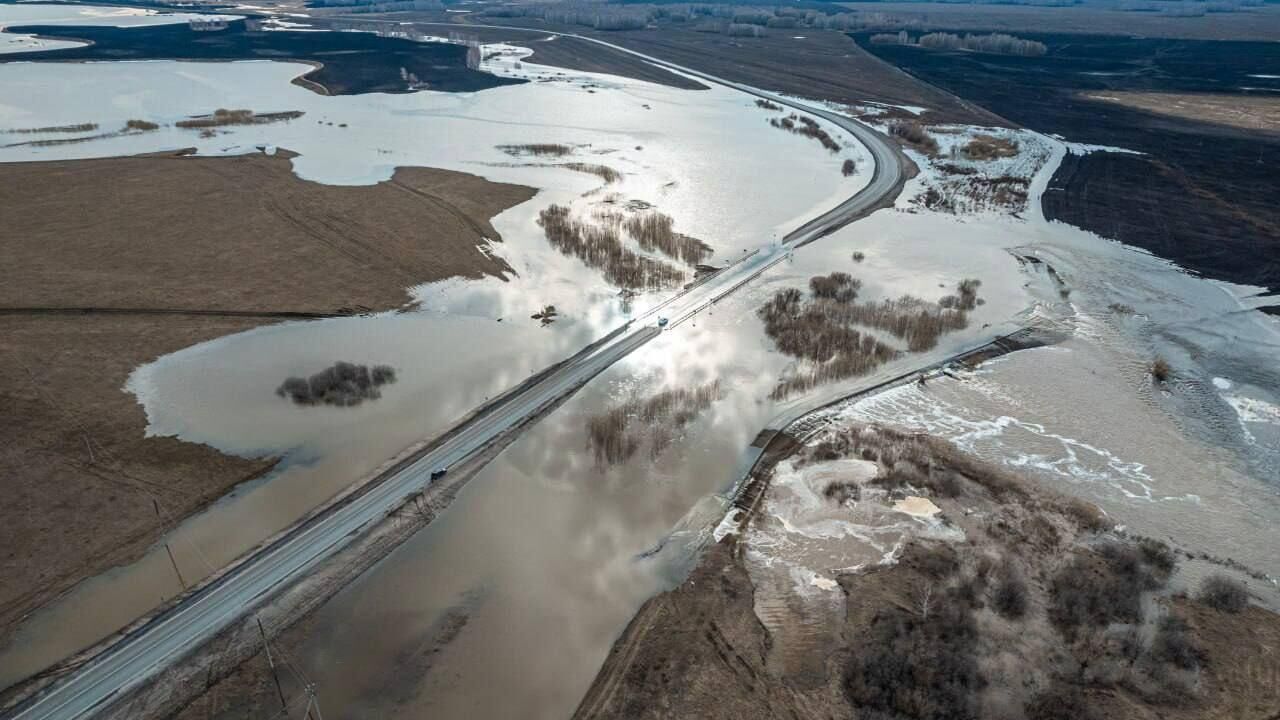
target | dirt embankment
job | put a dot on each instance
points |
(1020, 604)
(220, 245)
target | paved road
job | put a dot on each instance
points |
(144, 652)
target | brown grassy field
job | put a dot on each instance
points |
(1250, 112)
(244, 235)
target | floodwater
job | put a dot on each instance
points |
(543, 558)
(37, 14)
(464, 341)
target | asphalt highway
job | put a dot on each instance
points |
(141, 654)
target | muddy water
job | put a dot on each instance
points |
(1195, 461)
(467, 341)
(562, 550)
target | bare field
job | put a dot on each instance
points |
(819, 64)
(245, 242)
(1250, 112)
(1256, 23)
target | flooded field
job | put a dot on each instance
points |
(463, 342)
(86, 15)
(507, 603)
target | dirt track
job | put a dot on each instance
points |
(245, 243)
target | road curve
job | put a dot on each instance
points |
(138, 655)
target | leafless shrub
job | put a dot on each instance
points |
(859, 256)
(767, 105)
(1222, 593)
(989, 147)
(222, 117)
(1102, 587)
(1060, 702)
(141, 125)
(849, 167)
(914, 664)
(913, 133)
(344, 384)
(911, 319)
(653, 230)
(600, 247)
(1161, 370)
(807, 126)
(820, 331)
(841, 492)
(837, 287)
(1172, 644)
(953, 169)
(1009, 595)
(744, 30)
(537, 149)
(616, 435)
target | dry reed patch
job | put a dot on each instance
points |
(537, 149)
(654, 231)
(222, 117)
(989, 147)
(600, 246)
(913, 133)
(821, 330)
(616, 435)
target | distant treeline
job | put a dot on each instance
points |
(727, 19)
(363, 6)
(998, 43)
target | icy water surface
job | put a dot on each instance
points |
(37, 14)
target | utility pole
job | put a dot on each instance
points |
(181, 581)
(271, 663)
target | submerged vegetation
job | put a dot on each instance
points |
(604, 172)
(343, 384)
(600, 246)
(653, 230)
(222, 117)
(141, 125)
(808, 127)
(617, 434)
(537, 149)
(79, 127)
(1161, 370)
(821, 331)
